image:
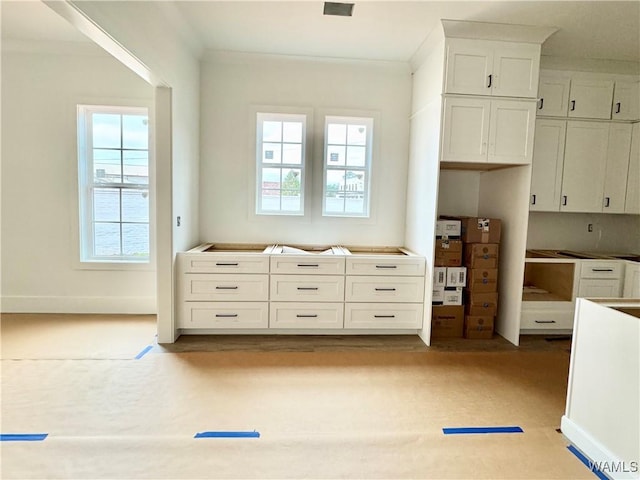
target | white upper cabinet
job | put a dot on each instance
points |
(548, 161)
(590, 98)
(632, 202)
(585, 158)
(626, 101)
(553, 95)
(480, 130)
(615, 179)
(482, 67)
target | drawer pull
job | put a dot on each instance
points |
(226, 315)
(308, 265)
(385, 289)
(384, 316)
(226, 264)
(226, 288)
(386, 266)
(545, 321)
(602, 269)
(306, 316)
(308, 288)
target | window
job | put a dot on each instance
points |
(113, 156)
(280, 155)
(347, 166)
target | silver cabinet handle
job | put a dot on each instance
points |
(545, 321)
(226, 288)
(307, 288)
(226, 315)
(385, 289)
(306, 316)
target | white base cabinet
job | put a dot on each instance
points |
(300, 293)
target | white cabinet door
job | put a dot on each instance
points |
(590, 98)
(511, 131)
(548, 161)
(626, 101)
(516, 68)
(466, 129)
(553, 94)
(615, 179)
(632, 202)
(469, 64)
(585, 158)
(599, 288)
(632, 280)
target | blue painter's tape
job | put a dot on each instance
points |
(253, 434)
(22, 437)
(144, 352)
(471, 430)
(589, 464)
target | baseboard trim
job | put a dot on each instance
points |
(111, 305)
(596, 452)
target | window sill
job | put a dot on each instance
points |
(116, 265)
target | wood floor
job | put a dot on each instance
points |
(115, 404)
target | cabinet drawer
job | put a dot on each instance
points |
(226, 288)
(302, 264)
(220, 263)
(384, 289)
(597, 269)
(307, 288)
(551, 320)
(224, 315)
(600, 288)
(306, 315)
(385, 266)
(383, 315)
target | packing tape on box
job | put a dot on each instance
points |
(23, 437)
(473, 430)
(146, 350)
(253, 434)
(588, 463)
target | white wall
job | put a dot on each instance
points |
(569, 231)
(233, 84)
(458, 193)
(40, 92)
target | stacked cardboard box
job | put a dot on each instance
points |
(449, 279)
(481, 245)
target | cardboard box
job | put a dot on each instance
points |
(448, 229)
(456, 276)
(437, 296)
(482, 280)
(481, 304)
(447, 321)
(478, 229)
(448, 253)
(477, 327)
(452, 296)
(481, 255)
(439, 277)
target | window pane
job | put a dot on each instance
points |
(355, 180)
(107, 166)
(135, 131)
(271, 131)
(356, 156)
(106, 205)
(337, 133)
(291, 182)
(135, 205)
(354, 204)
(270, 200)
(106, 130)
(292, 132)
(106, 240)
(357, 135)
(135, 240)
(136, 167)
(271, 178)
(292, 153)
(335, 155)
(290, 202)
(271, 152)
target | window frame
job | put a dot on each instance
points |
(260, 119)
(86, 185)
(369, 122)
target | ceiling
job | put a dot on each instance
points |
(378, 30)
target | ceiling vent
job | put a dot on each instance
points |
(338, 9)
